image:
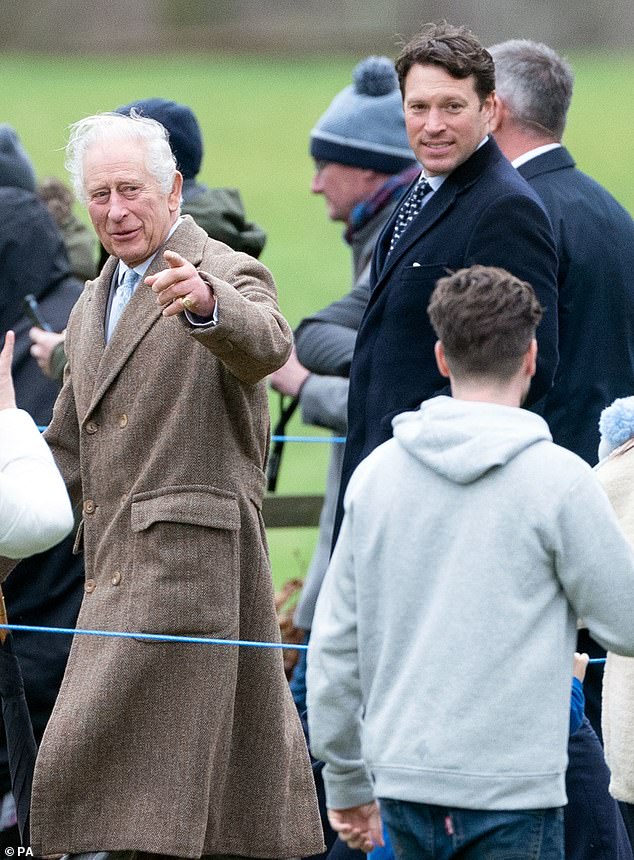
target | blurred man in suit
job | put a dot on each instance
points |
(595, 247)
(595, 244)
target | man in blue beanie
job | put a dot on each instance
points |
(219, 211)
(363, 164)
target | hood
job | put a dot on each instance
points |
(16, 170)
(32, 253)
(463, 439)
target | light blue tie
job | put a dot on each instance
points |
(121, 298)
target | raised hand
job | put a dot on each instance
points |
(180, 287)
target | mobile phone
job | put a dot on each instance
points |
(32, 310)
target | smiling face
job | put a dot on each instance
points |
(444, 117)
(130, 213)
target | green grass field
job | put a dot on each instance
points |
(256, 115)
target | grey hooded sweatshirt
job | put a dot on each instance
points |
(441, 654)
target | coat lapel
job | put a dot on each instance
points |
(89, 346)
(429, 215)
(462, 178)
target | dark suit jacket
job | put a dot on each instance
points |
(484, 212)
(595, 244)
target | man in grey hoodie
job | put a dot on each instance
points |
(442, 647)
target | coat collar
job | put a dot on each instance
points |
(103, 362)
(547, 162)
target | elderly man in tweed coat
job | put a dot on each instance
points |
(161, 432)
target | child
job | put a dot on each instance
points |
(616, 473)
(440, 660)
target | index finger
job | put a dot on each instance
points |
(6, 356)
(173, 259)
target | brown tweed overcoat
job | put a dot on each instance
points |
(162, 436)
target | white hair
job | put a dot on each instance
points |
(109, 127)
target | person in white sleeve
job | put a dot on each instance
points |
(35, 511)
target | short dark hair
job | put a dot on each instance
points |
(535, 83)
(455, 49)
(485, 318)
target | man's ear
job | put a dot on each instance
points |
(530, 359)
(441, 361)
(498, 113)
(174, 199)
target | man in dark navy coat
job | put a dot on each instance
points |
(469, 206)
(595, 244)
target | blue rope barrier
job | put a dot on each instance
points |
(166, 637)
(337, 440)
(153, 637)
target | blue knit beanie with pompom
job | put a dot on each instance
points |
(616, 425)
(364, 125)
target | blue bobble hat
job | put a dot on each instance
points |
(364, 125)
(616, 425)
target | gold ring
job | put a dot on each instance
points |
(187, 302)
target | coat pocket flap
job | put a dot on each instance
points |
(194, 508)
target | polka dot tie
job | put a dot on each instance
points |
(409, 209)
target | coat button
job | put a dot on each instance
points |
(92, 427)
(89, 586)
(123, 421)
(89, 506)
(116, 577)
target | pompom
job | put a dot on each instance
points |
(616, 423)
(375, 76)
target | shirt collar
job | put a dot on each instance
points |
(533, 153)
(434, 181)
